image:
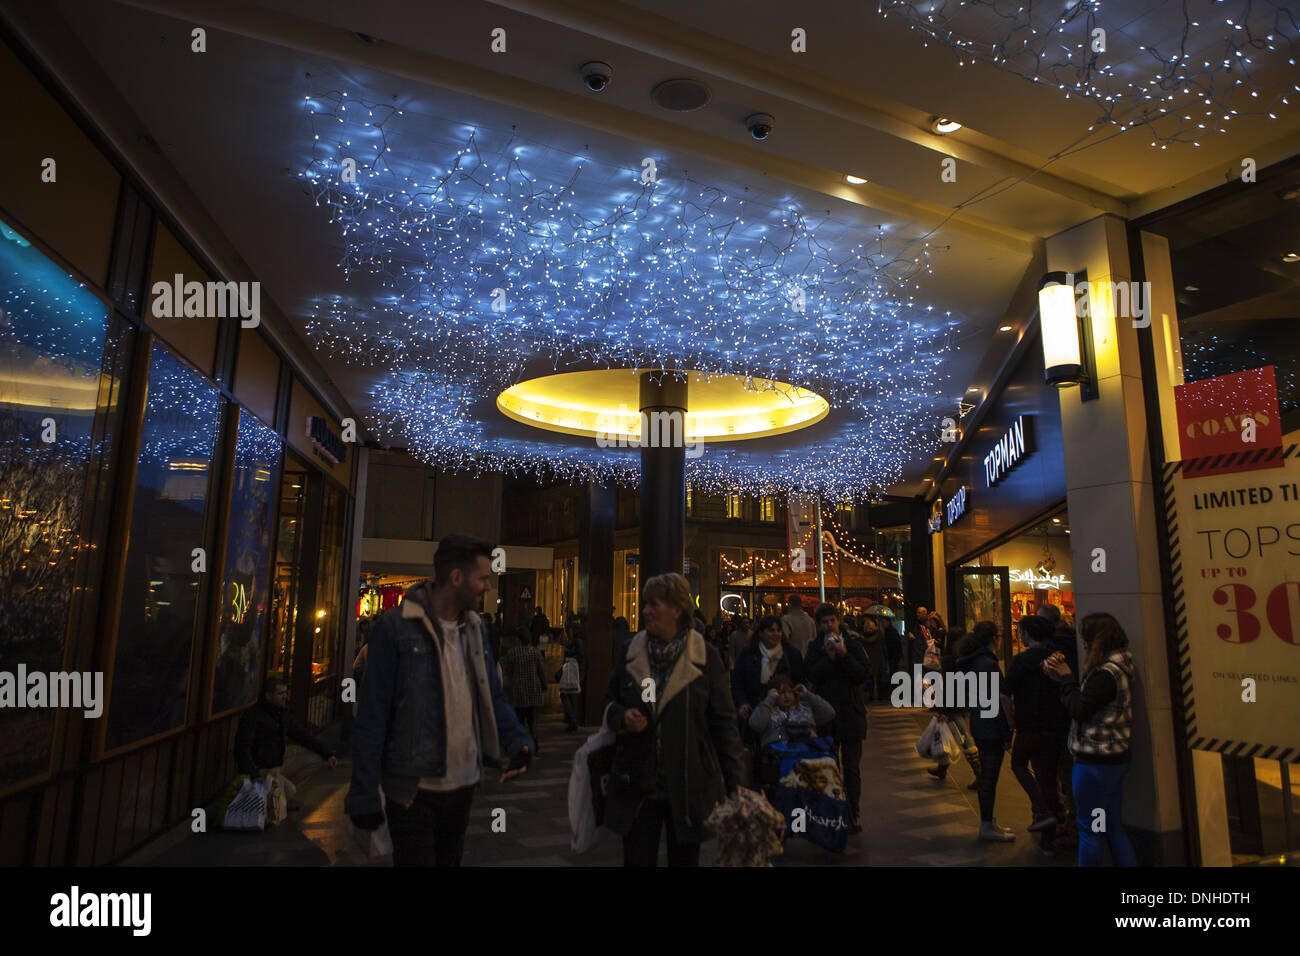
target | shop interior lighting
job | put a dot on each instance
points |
(943, 126)
(854, 180)
(1067, 336)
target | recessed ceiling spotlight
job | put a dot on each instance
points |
(943, 126)
(1291, 257)
(1056, 521)
(973, 388)
(1191, 288)
(1005, 328)
(853, 180)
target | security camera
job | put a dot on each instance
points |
(759, 125)
(596, 74)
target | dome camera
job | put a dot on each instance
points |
(596, 74)
(759, 125)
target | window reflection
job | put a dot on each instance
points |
(52, 333)
(244, 598)
(284, 596)
(160, 585)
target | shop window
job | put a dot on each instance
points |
(284, 586)
(52, 334)
(160, 587)
(735, 506)
(327, 643)
(767, 509)
(245, 601)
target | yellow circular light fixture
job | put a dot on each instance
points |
(605, 404)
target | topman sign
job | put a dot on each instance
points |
(1007, 453)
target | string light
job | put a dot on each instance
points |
(600, 269)
(1203, 65)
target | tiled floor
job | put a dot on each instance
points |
(909, 819)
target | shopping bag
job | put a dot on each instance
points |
(247, 811)
(373, 843)
(277, 801)
(949, 741)
(585, 815)
(812, 798)
(925, 743)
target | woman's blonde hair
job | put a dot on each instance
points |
(674, 590)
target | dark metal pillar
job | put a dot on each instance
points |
(663, 476)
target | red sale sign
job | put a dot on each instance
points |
(1230, 423)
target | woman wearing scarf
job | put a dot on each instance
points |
(767, 655)
(677, 753)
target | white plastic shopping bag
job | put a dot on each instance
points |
(377, 842)
(582, 815)
(247, 811)
(949, 740)
(925, 744)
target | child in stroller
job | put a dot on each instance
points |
(788, 714)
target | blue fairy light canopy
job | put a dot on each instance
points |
(473, 263)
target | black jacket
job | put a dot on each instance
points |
(747, 678)
(998, 728)
(692, 737)
(840, 682)
(259, 739)
(1037, 697)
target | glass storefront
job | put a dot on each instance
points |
(164, 560)
(627, 591)
(1236, 279)
(244, 596)
(284, 584)
(1014, 579)
(52, 335)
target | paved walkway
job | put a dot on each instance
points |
(909, 819)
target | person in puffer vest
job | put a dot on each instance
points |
(1101, 729)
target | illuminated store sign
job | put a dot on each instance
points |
(1027, 576)
(1008, 452)
(956, 506)
(325, 441)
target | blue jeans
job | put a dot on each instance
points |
(1101, 786)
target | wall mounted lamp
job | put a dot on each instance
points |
(1066, 319)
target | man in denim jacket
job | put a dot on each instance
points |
(432, 712)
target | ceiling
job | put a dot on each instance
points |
(409, 336)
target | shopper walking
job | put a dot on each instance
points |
(953, 646)
(1101, 730)
(425, 729)
(992, 734)
(837, 666)
(677, 753)
(798, 626)
(525, 672)
(873, 642)
(1042, 725)
(1065, 641)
